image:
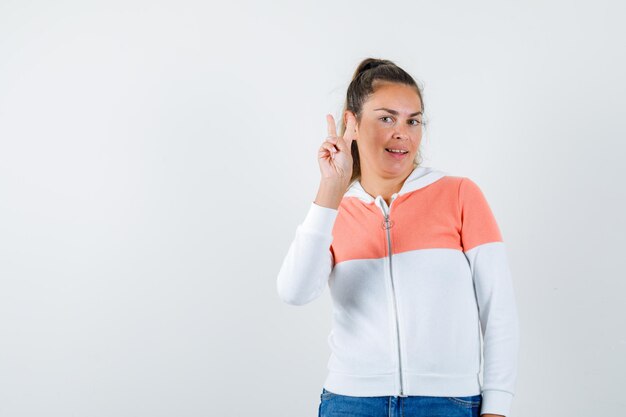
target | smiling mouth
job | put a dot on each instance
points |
(397, 152)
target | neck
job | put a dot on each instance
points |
(376, 185)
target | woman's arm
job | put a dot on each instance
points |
(486, 253)
(309, 261)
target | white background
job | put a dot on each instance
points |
(157, 156)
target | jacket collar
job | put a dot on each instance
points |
(420, 177)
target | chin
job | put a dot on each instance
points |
(398, 170)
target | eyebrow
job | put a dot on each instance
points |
(395, 113)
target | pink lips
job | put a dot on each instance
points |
(396, 155)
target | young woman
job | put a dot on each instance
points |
(416, 266)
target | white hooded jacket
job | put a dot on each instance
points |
(414, 286)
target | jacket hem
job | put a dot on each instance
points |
(414, 384)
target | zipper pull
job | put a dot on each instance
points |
(387, 223)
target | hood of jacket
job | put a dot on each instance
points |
(420, 177)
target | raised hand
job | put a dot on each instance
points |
(335, 160)
(335, 156)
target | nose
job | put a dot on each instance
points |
(401, 132)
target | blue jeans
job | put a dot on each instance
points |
(334, 405)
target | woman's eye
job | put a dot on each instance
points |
(417, 122)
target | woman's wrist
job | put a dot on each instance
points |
(330, 193)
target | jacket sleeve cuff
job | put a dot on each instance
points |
(320, 219)
(496, 402)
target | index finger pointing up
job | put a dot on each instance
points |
(332, 129)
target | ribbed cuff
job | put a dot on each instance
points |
(496, 402)
(320, 219)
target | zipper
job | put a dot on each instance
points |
(387, 224)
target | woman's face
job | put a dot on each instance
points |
(391, 120)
